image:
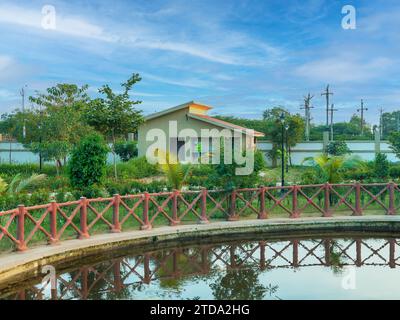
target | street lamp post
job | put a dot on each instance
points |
(282, 119)
(287, 147)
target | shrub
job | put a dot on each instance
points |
(311, 176)
(134, 187)
(126, 150)
(87, 165)
(394, 172)
(225, 176)
(381, 166)
(91, 192)
(337, 148)
(26, 169)
(136, 168)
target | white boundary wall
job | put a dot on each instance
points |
(364, 149)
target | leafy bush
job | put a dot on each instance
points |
(312, 176)
(26, 169)
(91, 192)
(394, 172)
(381, 166)
(337, 148)
(11, 201)
(88, 162)
(133, 187)
(365, 172)
(126, 150)
(225, 176)
(136, 168)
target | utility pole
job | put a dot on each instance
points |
(327, 93)
(398, 121)
(22, 93)
(332, 110)
(381, 121)
(361, 110)
(307, 107)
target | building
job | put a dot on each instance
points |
(187, 123)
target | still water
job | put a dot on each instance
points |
(295, 268)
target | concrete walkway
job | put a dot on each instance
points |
(30, 261)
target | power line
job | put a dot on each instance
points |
(22, 93)
(332, 110)
(362, 109)
(307, 107)
(327, 93)
(381, 121)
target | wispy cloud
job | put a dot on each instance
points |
(184, 82)
(344, 69)
(232, 49)
(68, 25)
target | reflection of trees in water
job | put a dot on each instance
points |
(230, 270)
(241, 284)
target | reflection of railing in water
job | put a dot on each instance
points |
(113, 276)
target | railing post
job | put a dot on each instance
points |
(232, 208)
(263, 213)
(21, 228)
(146, 269)
(358, 262)
(327, 247)
(84, 227)
(175, 208)
(146, 220)
(358, 211)
(262, 255)
(116, 228)
(118, 283)
(203, 217)
(392, 253)
(295, 203)
(327, 200)
(53, 222)
(295, 256)
(392, 206)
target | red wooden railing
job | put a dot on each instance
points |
(54, 221)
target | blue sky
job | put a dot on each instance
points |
(239, 56)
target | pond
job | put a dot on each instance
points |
(334, 267)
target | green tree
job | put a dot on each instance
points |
(381, 166)
(88, 162)
(114, 114)
(394, 140)
(294, 133)
(54, 124)
(241, 284)
(337, 148)
(126, 150)
(390, 123)
(344, 130)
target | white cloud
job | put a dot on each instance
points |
(73, 26)
(344, 69)
(5, 62)
(219, 46)
(193, 83)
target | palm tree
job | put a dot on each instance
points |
(332, 167)
(3, 185)
(175, 172)
(19, 183)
